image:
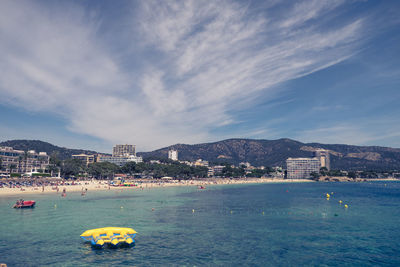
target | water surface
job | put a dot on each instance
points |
(259, 225)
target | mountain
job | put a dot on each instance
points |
(275, 153)
(40, 146)
(257, 152)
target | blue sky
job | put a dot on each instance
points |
(90, 74)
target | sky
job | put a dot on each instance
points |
(91, 74)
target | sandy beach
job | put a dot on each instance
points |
(97, 185)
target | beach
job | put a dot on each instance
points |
(57, 187)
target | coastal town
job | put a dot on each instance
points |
(42, 172)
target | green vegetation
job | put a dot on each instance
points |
(228, 171)
(102, 170)
(172, 168)
(14, 175)
(72, 167)
(314, 176)
(259, 173)
(41, 174)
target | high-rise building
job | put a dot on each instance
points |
(173, 154)
(323, 156)
(124, 151)
(300, 168)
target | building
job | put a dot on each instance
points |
(121, 155)
(215, 170)
(87, 159)
(200, 163)
(323, 156)
(124, 150)
(120, 161)
(19, 161)
(173, 154)
(300, 168)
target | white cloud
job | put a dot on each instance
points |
(211, 58)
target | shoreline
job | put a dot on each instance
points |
(102, 185)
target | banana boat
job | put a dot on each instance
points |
(112, 236)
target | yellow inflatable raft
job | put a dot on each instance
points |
(109, 235)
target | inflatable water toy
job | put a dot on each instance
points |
(22, 204)
(112, 236)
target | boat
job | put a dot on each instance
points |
(112, 236)
(22, 204)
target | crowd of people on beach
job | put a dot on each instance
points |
(16, 186)
(34, 183)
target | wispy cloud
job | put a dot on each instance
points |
(200, 61)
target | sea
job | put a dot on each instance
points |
(286, 224)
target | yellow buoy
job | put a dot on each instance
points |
(193, 211)
(122, 207)
(231, 212)
(327, 195)
(346, 206)
(340, 201)
(263, 213)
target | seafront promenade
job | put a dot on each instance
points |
(13, 188)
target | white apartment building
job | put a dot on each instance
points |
(120, 161)
(173, 154)
(124, 150)
(19, 161)
(301, 168)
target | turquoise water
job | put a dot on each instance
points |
(259, 225)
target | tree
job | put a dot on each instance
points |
(228, 171)
(72, 167)
(54, 159)
(103, 170)
(352, 175)
(314, 176)
(1, 164)
(129, 168)
(323, 171)
(52, 169)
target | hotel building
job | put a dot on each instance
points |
(120, 161)
(19, 161)
(124, 151)
(122, 154)
(300, 168)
